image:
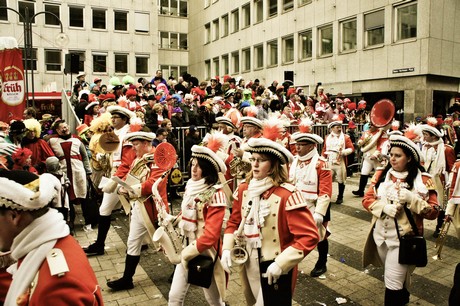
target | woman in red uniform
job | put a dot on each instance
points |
(402, 184)
(272, 223)
(203, 209)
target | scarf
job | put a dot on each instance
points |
(455, 197)
(306, 179)
(435, 158)
(335, 142)
(388, 190)
(189, 222)
(33, 244)
(258, 212)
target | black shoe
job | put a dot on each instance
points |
(94, 249)
(144, 247)
(318, 271)
(358, 193)
(339, 201)
(436, 233)
(120, 284)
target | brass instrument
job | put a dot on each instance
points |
(166, 235)
(441, 239)
(237, 165)
(238, 254)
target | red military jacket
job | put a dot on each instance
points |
(79, 286)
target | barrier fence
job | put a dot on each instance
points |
(319, 129)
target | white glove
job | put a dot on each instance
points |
(405, 196)
(226, 261)
(184, 263)
(273, 273)
(110, 187)
(318, 219)
(169, 219)
(99, 156)
(390, 210)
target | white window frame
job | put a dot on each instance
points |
(225, 25)
(144, 57)
(272, 4)
(235, 62)
(104, 54)
(272, 53)
(216, 29)
(322, 42)
(116, 62)
(225, 64)
(57, 63)
(288, 51)
(258, 11)
(207, 33)
(72, 7)
(344, 35)
(116, 21)
(207, 69)
(141, 22)
(94, 9)
(288, 5)
(374, 26)
(398, 22)
(308, 45)
(246, 14)
(259, 56)
(216, 64)
(246, 55)
(49, 17)
(4, 16)
(235, 22)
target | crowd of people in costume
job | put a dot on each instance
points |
(268, 191)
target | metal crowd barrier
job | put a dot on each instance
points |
(319, 129)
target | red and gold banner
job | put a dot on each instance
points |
(12, 85)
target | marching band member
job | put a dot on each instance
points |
(274, 224)
(438, 161)
(452, 210)
(401, 183)
(371, 145)
(311, 175)
(336, 147)
(143, 211)
(202, 213)
(121, 159)
(227, 127)
(50, 268)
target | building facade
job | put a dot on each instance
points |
(403, 50)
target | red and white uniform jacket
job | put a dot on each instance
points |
(336, 147)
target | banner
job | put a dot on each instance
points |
(12, 85)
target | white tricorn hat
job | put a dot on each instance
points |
(147, 136)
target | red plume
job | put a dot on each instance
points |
(216, 141)
(431, 121)
(251, 111)
(412, 132)
(273, 129)
(122, 102)
(305, 125)
(135, 124)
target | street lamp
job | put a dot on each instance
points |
(62, 40)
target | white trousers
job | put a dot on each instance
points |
(368, 165)
(180, 285)
(253, 273)
(109, 202)
(137, 232)
(395, 273)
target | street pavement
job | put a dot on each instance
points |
(345, 278)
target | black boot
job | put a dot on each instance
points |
(126, 282)
(340, 195)
(441, 216)
(320, 266)
(362, 186)
(97, 248)
(396, 297)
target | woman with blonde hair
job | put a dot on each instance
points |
(40, 149)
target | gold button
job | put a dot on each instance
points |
(276, 253)
(274, 240)
(274, 215)
(273, 227)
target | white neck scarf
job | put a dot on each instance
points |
(306, 179)
(435, 157)
(33, 244)
(335, 142)
(388, 190)
(258, 212)
(188, 224)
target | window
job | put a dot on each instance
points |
(22, 9)
(207, 33)
(235, 62)
(258, 11)
(225, 65)
(174, 71)
(272, 50)
(173, 41)
(183, 10)
(246, 59)
(174, 8)
(81, 57)
(142, 64)
(224, 25)
(246, 11)
(259, 56)
(98, 19)
(288, 49)
(3, 12)
(141, 22)
(215, 25)
(76, 17)
(183, 42)
(235, 21)
(288, 5)
(325, 42)
(164, 40)
(272, 8)
(163, 7)
(306, 44)
(406, 21)
(121, 63)
(99, 62)
(50, 19)
(303, 2)
(207, 65)
(374, 28)
(348, 35)
(120, 21)
(53, 60)
(215, 62)
(32, 59)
